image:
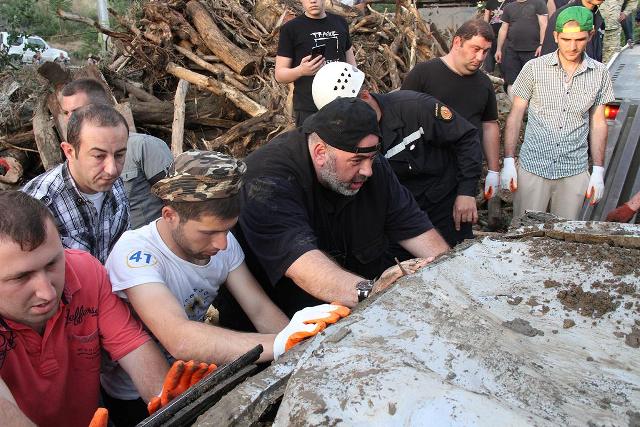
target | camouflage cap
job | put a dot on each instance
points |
(196, 176)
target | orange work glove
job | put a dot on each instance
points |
(306, 323)
(622, 213)
(100, 418)
(180, 377)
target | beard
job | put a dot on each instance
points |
(181, 241)
(328, 176)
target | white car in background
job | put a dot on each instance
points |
(25, 48)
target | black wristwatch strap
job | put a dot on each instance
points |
(364, 289)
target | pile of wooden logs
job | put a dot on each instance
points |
(200, 73)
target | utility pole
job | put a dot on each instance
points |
(103, 19)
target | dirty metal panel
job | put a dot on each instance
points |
(490, 335)
(624, 75)
(621, 162)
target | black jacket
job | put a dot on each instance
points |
(432, 149)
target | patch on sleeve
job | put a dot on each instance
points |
(443, 112)
(139, 258)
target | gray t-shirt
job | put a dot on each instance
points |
(148, 159)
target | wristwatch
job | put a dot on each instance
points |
(364, 289)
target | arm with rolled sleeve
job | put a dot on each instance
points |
(597, 121)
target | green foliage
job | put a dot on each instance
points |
(39, 17)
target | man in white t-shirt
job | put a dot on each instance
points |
(170, 271)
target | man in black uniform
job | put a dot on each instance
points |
(306, 42)
(455, 79)
(321, 209)
(433, 150)
(594, 47)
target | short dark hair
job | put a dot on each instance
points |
(226, 208)
(100, 115)
(96, 93)
(475, 27)
(23, 219)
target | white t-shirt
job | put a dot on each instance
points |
(141, 256)
(97, 199)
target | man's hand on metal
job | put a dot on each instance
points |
(306, 323)
(464, 210)
(491, 184)
(509, 175)
(180, 377)
(310, 66)
(393, 273)
(596, 185)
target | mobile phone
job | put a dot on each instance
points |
(318, 51)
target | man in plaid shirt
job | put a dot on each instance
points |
(85, 194)
(566, 92)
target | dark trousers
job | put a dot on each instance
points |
(441, 215)
(489, 64)
(124, 413)
(513, 61)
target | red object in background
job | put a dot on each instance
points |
(4, 167)
(611, 111)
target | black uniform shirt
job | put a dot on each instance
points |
(431, 148)
(287, 213)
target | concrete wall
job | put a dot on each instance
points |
(448, 17)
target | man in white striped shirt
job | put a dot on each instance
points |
(566, 92)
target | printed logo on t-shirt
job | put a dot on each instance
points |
(80, 313)
(139, 258)
(330, 40)
(196, 305)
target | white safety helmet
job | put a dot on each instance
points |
(336, 79)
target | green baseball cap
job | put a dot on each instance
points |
(579, 14)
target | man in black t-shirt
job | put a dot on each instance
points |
(321, 208)
(524, 23)
(454, 79)
(323, 33)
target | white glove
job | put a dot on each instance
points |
(491, 184)
(307, 323)
(596, 185)
(508, 175)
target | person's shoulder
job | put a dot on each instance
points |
(139, 236)
(49, 183)
(79, 258)
(144, 139)
(294, 22)
(430, 64)
(334, 17)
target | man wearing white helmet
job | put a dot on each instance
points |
(434, 151)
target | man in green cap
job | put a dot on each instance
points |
(594, 46)
(566, 92)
